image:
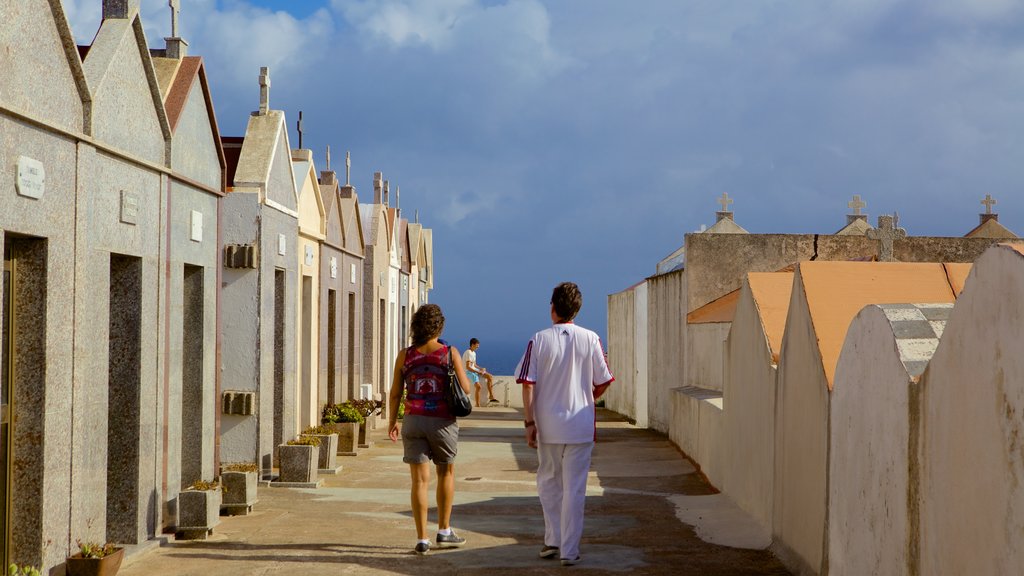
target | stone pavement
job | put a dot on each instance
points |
(640, 490)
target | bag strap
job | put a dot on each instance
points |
(451, 365)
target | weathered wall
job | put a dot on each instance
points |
(621, 396)
(705, 344)
(801, 443)
(666, 337)
(972, 501)
(868, 514)
(749, 418)
(193, 148)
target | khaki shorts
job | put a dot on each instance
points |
(427, 438)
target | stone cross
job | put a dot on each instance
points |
(856, 204)
(175, 10)
(348, 168)
(725, 201)
(886, 233)
(264, 90)
(989, 201)
(298, 126)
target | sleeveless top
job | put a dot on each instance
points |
(426, 380)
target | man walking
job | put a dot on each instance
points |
(563, 372)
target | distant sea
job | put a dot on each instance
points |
(500, 358)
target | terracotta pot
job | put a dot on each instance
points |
(106, 566)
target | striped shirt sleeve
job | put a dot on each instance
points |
(526, 372)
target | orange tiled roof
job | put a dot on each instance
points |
(771, 292)
(957, 273)
(721, 310)
(837, 291)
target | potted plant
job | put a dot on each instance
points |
(199, 509)
(299, 461)
(327, 460)
(15, 570)
(94, 559)
(369, 409)
(240, 480)
(343, 420)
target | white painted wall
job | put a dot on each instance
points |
(640, 357)
(972, 498)
(705, 345)
(666, 337)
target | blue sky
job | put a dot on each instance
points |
(581, 139)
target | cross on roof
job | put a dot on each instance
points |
(886, 233)
(989, 201)
(725, 201)
(328, 157)
(348, 168)
(175, 10)
(856, 204)
(264, 90)
(298, 126)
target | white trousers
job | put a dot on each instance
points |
(562, 487)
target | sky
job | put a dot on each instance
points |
(580, 140)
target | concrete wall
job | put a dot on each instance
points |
(621, 396)
(705, 345)
(972, 500)
(666, 339)
(748, 435)
(375, 287)
(193, 146)
(801, 443)
(869, 511)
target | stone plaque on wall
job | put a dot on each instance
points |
(129, 207)
(309, 255)
(352, 274)
(282, 244)
(197, 226)
(334, 267)
(31, 178)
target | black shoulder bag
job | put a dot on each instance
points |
(458, 401)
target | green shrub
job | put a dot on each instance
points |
(15, 570)
(204, 485)
(305, 441)
(240, 467)
(95, 550)
(334, 413)
(366, 407)
(321, 430)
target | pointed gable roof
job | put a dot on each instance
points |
(836, 291)
(30, 63)
(415, 242)
(335, 233)
(108, 73)
(991, 228)
(264, 161)
(403, 239)
(772, 292)
(312, 214)
(857, 227)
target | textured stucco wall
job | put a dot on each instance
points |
(375, 288)
(621, 396)
(37, 78)
(282, 425)
(666, 316)
(801, 443)
(749, 418)
(41, 509)
(193, 148)
(705, 344)
(972, 501)
(868, 468)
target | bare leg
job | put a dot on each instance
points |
(476, 394)
(490, 386)
(445, 494)
(420, 482)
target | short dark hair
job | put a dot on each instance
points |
(427, 323)
(473, 341)
(567, 300)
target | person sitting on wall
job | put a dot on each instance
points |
(476, 371)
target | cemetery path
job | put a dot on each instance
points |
(359, 521)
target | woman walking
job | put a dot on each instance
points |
(430, 431)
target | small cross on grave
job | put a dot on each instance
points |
(856, 204)
(175, 10)
(725, 201)
(989, 202)
(298, 126)
(886, 233)
(264, 90)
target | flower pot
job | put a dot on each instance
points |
(327, 458)
(298, 463)
(239, 492)
(106, 566)
(364, 441)
(198, 512)
(348, 437)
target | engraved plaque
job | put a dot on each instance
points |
(129, 207)
(282, 244)
(309, 255)
(31, 178)
(197, 226)
(334, 267)
(352, 274)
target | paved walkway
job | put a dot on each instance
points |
(640, 487)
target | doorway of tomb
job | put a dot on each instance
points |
(192, 365)
(332, 343)
(280, 277)
(6, 400)
(351, 345)
(124, 385)
(382, 333)
(306, 388)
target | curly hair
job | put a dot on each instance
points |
(427, 323)
(567, 300)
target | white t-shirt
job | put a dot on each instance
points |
(469, 359)
(564, 363)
